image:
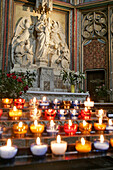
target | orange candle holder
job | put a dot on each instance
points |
(99, 127)
(6, 102)
(66, 104)
(15, 114)
(19, 103)
(84, 146)
(20, 129)
(111, 142)
(37, 128)
(85, 127)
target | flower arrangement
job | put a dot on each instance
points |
(102, 91)
(12, 85)
(72, 77)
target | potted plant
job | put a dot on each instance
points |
(72, 77)
(12, 85)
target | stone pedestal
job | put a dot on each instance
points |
(46, 79)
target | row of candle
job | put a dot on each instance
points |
(58, 147)
(20, 129)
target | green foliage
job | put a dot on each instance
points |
(12, 85)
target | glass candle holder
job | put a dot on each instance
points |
(66, 104)
(8, 151)
(19, 103)
(83, 146)
(101, 144)
(35, 113)
(63, 114)
(33, 102)
(85, 127)
(20, 129)
(37, 128)
(74, 114)
(6, 102)
(50, 114)
(100, 127)
(56, 104)
(15, 114)
(52, 129)
(70, 128)
(109, 127)
(38, 149)
(88, 103)
(44, 104)
(58, 146)
(1, 112)
(85, 114)
(75, 104)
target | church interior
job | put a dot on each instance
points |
(56, 84)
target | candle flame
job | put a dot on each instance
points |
(35, 111)
(9, 143)
(7, 100)
(100, 112)
(101, 138)
(110, 122)
(88, 99)
(14, 108)
(76, 101)
(35, 122)
(51, 123)
(44, 99)
(20, 124)
(55, 101)
(85, 109)
(34, 100)
(20, 100)
(82, 141)
(100, 120)
(70, 123)
(84, 123)
(38, 141)
(58, 139)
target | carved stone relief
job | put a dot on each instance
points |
(94, 24)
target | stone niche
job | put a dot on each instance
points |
(39, 45)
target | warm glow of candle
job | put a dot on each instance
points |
(110, 122)
(35, 111)
(52, 123)
(58, 139)
(55, 101)
(101, 138)
(20, 124)
(14, 108)
(20, 100)
(70, 123)
(88, 103)
(44, 99)
(85, 109)
(76, 101)
(7, 100)
(100, 113)
(82, 141)
(84, 123)
(100, 120)
(9, 143)
(34, 100)
(35, 123)
(38, 141)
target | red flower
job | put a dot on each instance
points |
(19, 80)
(8, 75)
(14, 77)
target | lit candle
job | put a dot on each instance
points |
(6, 103)
(37, 128)
(50, 114)
(19, 103)
(74, 114)
(85, 127)
(88, 103)
(35, 113)
(15, 114)
(20, 129)
(52, 128)
(109, 127)
(101, 144)
(100, 126)
(83, 146)
(62, 113)
(56, 104)
(85, 114)
(100, 113)
(8, 151)
(58, 146)
(75, 104)
(44, 103)
(70, 128)
(38, 149)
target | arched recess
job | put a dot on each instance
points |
(94, 49)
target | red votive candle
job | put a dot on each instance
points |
(50, 114)
(70, 128)
(85, 114)
(19, 103)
